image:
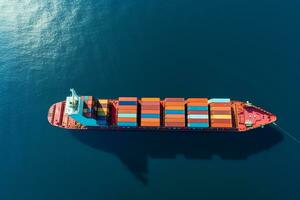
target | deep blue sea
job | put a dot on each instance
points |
(245, 50)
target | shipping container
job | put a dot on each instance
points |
(220, 116)
(150, 99)
(126, 119)
(174, 99)
(198, 112)
(125, 124)
(174, 124)
(127, 99)
(150, 111)
(197, 108)
(219, 100)
(198, 125)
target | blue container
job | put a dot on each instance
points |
(127, 123)
(197, 108)
(127, 103)
(150, 115)
(127, 115)
(198, 124)
(219, 100)
(174, 111)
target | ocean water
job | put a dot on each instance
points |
(246, 50)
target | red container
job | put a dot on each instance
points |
(220, 104)
(127, 98)
(220, 112)
(175, 116)
(175, 120)
(197, 112)
(174, 99)
(174, 124)
(149, 107)
(226, 121)
(127, 107)
(198, 120)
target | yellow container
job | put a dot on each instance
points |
(220, 116)
(103, 101)
(150, 99)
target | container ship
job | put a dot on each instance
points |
(169, 114)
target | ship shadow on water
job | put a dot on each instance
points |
(135, 148)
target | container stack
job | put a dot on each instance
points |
(150, 112)
(88, 107)
(220, 113)
(102, 112)
(127, 112)
(197, 109)
(174, 112)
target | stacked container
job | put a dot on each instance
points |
(127, 111)
(197, 115)
(174, 112)
(102, 112)
(88, 107)
(220, 113)
(150, 112)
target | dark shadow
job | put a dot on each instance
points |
(134, 148)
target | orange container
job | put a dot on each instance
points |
(174, 107)
(174, 120)
(150, 99)
(124, 119)
(174, 124)
(150, 124)
(220, 108)
(202, 100)
(150, 111)
(197, 104)
(174, 99)
(175, 116)
(127, 107)
(127, 98)
(126, 111)
(150, 120)
(220, 125)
